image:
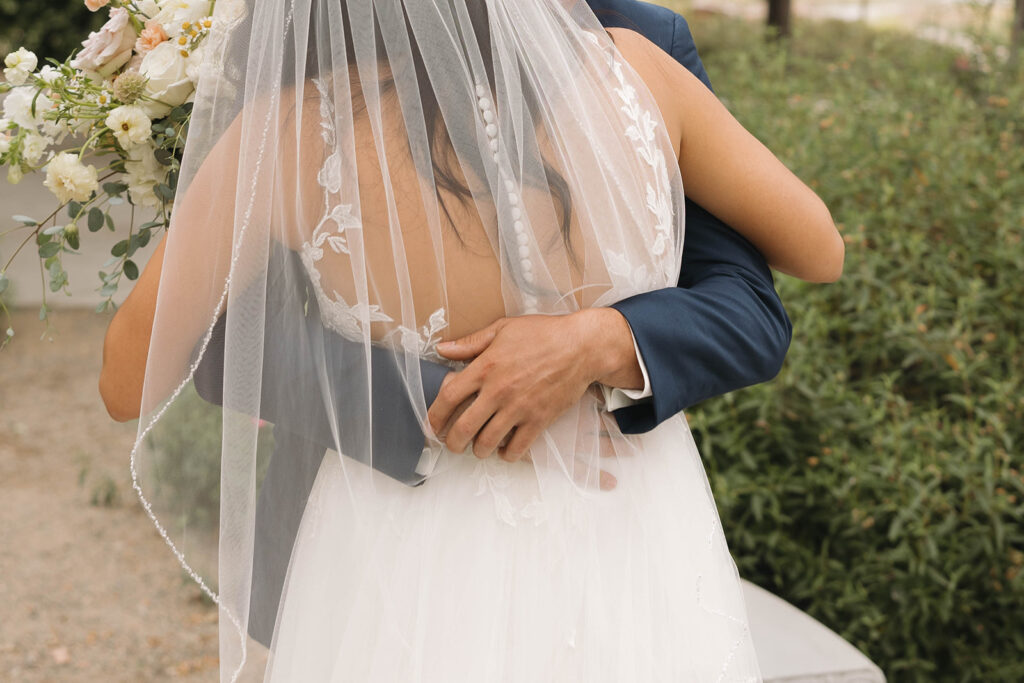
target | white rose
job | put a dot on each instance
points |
(129, 124)
(142, 173)
(228, 13)
(20, 64)
(194, 63)
(33, 147)
(105, 51)
(167, 71)
(18, 107)
(70, 179)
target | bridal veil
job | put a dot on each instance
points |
(363, 178)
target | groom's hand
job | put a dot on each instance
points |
(524, 372)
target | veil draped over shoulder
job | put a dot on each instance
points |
(363, 179)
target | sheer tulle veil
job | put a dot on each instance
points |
(393, 173)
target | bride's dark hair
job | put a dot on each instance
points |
(436, 121)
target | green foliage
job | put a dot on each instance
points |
(876, 482)
(50, 29)
(184, 450)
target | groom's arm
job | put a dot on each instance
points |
(722, 328)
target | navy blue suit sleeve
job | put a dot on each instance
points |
(684, 50)
(723, 327)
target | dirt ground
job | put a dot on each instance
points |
(88, 590)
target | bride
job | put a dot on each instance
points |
(432, 166)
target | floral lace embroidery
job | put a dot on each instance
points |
(492, 476)
(424, 341)
(642, 132)
(337, 314)
(637, 278)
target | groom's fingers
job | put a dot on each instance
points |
(493, 434)
(467, 425)
(456, 389)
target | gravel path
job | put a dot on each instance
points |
(88, 590)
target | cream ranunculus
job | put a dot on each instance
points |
(105, 51)
(130, 125)
(167, 71)
(142, 173)
(19, 64)
(69, 179)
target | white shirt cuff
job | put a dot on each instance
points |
(615, 398)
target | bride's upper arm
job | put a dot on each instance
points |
(730, 173)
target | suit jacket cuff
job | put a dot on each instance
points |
(616, 397)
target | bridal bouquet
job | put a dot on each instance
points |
(123, 101)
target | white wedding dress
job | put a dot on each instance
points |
(652, 596)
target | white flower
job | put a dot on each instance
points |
(20, 64)
(194, 63)
(129, 124)
(55, 129)
(70, 179)
(33, 147)
(142, 173)
(50, 74)
(167, 71)
(105, 51)
(5, 143)
(18, 107)
(229, 13)
(148, 7)
(174, 13)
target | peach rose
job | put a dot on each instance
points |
(151, 36)
(94, 5)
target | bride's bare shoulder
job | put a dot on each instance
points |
(665, 78)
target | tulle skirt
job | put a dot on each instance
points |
(489, 572)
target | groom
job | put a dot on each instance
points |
(722, 328)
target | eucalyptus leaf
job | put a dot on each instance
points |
(95, 219)
(49, 249)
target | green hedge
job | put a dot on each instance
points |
(876, 482)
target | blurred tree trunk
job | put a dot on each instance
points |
(779, 15)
